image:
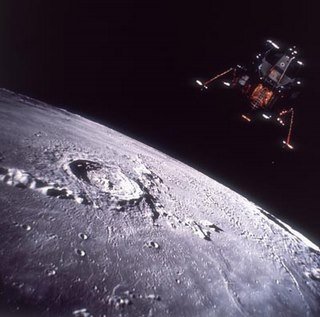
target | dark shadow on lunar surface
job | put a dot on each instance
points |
(150, 200)
(148, 184)
(216, 228)
(274, 219)
(80, 168)
(21, 179)
(3, 171)
(59, 193)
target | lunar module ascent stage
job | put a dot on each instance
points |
(271, 83)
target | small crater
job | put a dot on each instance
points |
(52, 236)
(80, 252)
(152, 245)
(82, 236)
(26, 227)
(38, 134)
(51, 272)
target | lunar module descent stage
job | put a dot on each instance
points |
(270, 85)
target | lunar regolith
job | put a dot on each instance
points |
(94, 223)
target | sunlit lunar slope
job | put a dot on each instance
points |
(94, 223)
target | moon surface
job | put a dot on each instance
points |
(94, 223)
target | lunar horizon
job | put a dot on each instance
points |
(95, 223)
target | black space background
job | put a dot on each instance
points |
(131, 65)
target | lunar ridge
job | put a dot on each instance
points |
(95, 223)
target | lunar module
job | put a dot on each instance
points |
(270, 84)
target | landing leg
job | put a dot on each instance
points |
(287, 142)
